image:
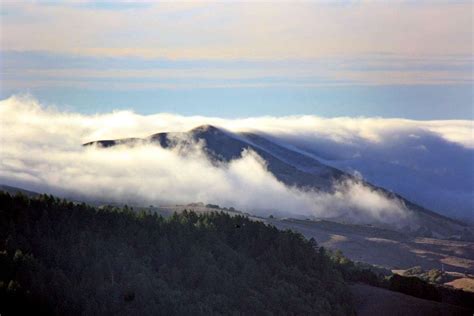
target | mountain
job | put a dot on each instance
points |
(15, 190)
(288, 166)
(294, 168)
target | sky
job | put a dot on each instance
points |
(393, 59)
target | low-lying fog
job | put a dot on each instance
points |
(430, 162)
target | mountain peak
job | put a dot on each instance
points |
(205, 128)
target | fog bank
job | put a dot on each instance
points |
(41, 150)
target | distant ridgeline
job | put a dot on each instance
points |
(59, 257)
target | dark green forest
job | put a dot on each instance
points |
(64, 258)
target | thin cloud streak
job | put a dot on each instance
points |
(30, 70)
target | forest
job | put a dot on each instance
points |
(63, 258)
(59, 257)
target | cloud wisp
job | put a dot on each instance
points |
(41, 150)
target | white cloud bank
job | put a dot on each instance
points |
(41, 150)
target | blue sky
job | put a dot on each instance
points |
(415, 102)
(353, 58)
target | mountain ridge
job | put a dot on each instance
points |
(291, 167)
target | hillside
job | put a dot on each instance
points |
(386, 248)
(64, 258)
(365, 243)
(371, 301)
